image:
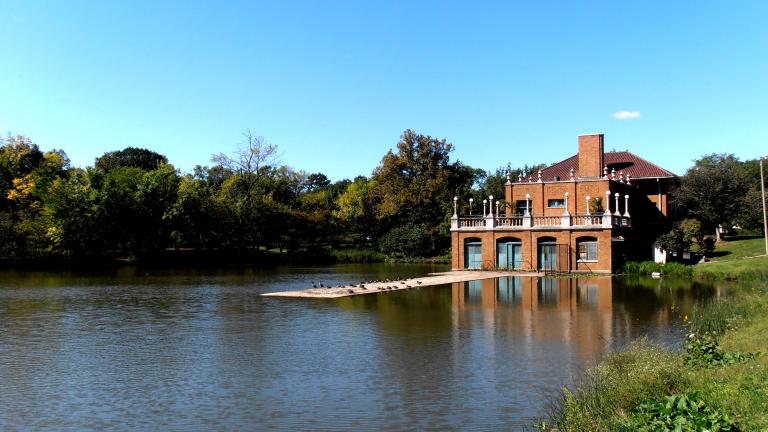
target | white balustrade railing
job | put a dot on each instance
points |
(514, 221)
(471, 222)
(582, 220)
(525, 222)
(547, 220)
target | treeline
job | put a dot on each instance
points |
(133, 202)
(718, 192)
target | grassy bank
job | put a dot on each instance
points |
(736, 258)
(720, 381)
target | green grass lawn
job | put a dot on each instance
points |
(736, 256)
(738, 247)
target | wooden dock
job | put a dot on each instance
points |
(397, 285)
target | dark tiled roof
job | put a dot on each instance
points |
(626, 161)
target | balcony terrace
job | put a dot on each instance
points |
(490, 221)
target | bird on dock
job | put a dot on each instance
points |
(402, 282)
(313, 285)
(321, 285)
(418, 282)
(362, 286)
(351, 291)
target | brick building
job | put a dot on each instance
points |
(573, 216)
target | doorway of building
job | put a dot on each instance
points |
(473, 253)
(547, 254)
(510, 254)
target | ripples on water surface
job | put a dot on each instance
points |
(201, 350)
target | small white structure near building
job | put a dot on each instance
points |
(659, 255)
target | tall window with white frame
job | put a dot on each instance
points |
(586, 249)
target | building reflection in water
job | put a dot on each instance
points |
(574, 311)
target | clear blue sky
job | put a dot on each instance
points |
(333, 84)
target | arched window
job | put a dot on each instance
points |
(586, 249)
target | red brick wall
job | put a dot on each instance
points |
(591, 155)
(530, 249)
(541, 193)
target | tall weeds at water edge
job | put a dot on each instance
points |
(716, 317)
(648, 267)
(354, 256)
(677, 270)
(609, 391)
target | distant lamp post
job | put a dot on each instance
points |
(470, 206)
(762, 189)
(455, 201)
(484, 203)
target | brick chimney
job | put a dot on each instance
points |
(591, 155)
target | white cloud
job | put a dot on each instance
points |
(626, 115)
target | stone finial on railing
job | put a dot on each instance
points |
(520, 178)
(509, 178)
(621, 176)
(539, 180)
(527, 204)
(626, 206)
(489, 219)
(613, 174)
(527, 219)
(607, 219)
(629, 178)
(455, 217)
(573, 173)
(605, 172)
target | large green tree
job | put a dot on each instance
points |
(415, 186)
(715, 191)
(131, 157)
(26, 174)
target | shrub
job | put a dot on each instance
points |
(405, 242)
(677, 269)
(640, 268)
(704, 350)
(679, 412)
(648, 267)
(353, 256)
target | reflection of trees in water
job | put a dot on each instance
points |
(642, 297)
(410, 313)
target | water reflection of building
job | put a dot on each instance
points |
(576, 311)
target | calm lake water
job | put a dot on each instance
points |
(201, 350)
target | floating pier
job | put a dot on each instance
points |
(397, 285)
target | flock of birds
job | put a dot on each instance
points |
(404, 284)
